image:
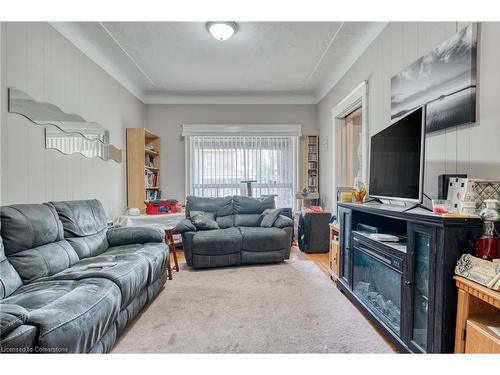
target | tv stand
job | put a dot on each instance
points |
(406, 289)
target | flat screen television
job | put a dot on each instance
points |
(397, 159)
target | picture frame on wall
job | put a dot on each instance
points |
(444, 80)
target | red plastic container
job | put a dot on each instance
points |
(173, 207)
(160, 208)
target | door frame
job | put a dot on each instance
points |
(358, 98)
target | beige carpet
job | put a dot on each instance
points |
(281, 308)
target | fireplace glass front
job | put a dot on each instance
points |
(379, 286)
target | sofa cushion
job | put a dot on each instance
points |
(9, 278)
(283, 222)
(248, 205)
(11, 317)
(134, 235)
(72, 315)
(185, 225)
(247, 220)
(156, 255)
(226, 221)
(203, 220)
(85, 225)
(269, 216)
(19, 340)
(219, 206)
(81, 218)
(128, 271)
(217, 242)
(25, 226)
(45, 260)
(263, 239)
(34, 241)
(90, 246)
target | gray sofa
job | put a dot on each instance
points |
(67, 283)
(240, 238)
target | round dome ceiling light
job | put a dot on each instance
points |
(222, 30)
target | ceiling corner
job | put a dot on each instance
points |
(372, 33)
(80, 40)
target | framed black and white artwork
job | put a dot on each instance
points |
(444, 80)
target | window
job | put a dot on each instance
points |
(351, 155)
(350, 140)
(218, 164)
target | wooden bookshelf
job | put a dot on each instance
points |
(143, 166)
(311, 162)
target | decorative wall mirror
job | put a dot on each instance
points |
(67, 133)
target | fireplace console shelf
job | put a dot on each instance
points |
(406, 288)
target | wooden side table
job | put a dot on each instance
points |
(478, 307)
(334, 255)
(169, 240)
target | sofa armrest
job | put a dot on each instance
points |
(134, 235)
(283, 222)
(11, 317)
(185, 225)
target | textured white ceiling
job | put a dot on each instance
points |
(180, 62)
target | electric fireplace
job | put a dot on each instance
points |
(405, 288)
(377, 280)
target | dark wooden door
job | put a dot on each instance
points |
(419, 294)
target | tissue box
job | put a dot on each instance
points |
(461, 189)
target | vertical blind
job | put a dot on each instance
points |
(218, 164)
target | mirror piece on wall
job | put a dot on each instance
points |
(72, 143)
(67, 133)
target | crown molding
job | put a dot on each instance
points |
(236, 98)
(124, 72)
(341, 71)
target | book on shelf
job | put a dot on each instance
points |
(151, 179)
(312, 181)
(152, 195)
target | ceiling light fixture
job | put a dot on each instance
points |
(222, 30)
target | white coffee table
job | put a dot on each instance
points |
(163, 222)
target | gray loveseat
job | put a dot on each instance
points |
(240, 238)
(67, 283)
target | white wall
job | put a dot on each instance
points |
(473, 149)
(39, 61)
(2, 106)
(167, 120)
(36, 59)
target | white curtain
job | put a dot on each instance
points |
(218, 164)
